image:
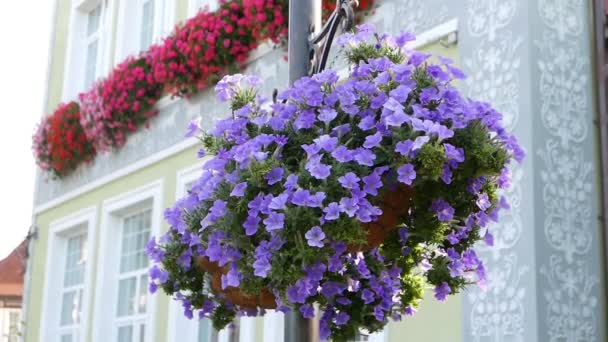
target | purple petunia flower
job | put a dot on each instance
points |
(194, 127)
(349, 181)
(419, 142)
(275, 175)
(239, 190)
(444, 211)
(483, 202)
(307, 311)
(326, 142)
(300, 197)
(378, 313)
(372, 183)
(410, 310)
(251, 225)
(342, 154)
(315, 237)
(349, 206)
(332, 211)
(201, 153)
(367, 296)
(274, 221)
(316, 200)
(279, 202)
(442, 291)
(364, 157)
(372, 141)
(291, 183)
(342, 318)
(406, 174)
(327, 114)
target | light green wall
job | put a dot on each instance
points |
(166, 170)
(58, 53)
(181, 11)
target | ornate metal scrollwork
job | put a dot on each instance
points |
(320, 45)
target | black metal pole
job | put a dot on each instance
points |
(304, 20)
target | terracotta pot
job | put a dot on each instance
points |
(264, 300)
(394, 204)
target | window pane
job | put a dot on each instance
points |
(126, 296)
(142, 333)
(136, 234)
(125, 334)
(66, 338)
(94, 18)
(91, 65)
(147, 25)
(13, 321)
(70, 308)
(143, 294)
(75, 261)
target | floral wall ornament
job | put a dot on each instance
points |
(354, 195)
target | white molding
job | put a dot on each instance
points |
(57, 232)
(247, 329)
(274, 326)
(434, 34)
(140, 164)
(113, 209)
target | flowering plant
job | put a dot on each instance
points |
(212, 42)
(197, 54)
(287, 203)
(328, 8)
(120, 103)
(59, 143)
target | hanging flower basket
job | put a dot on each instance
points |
(353, 195)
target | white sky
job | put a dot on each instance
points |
(24, 41)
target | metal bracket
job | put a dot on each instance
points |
(320, 45)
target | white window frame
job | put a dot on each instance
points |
(76, 58)
(194, 7)
(129, 25)
(108, 270)
(81, 222)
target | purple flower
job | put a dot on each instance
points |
(417, 57)
(275, 175)
(327, 114)
(342, 154)
(406, 174)
(239, 190)
(194, 127)
(454, 154)
(378, 313)
(410, 310)
(315, 237)
(311, 150)
(307, 311)
(372, 141)
(326, 142)
(342, 318)
(251, 225)
(291, 182)
(400, 93)
(444, 211)
(483, 202)
(261, 267)
(332, 211)
(279, 202)
(365, 157)
(372, 183)
(349, 181)
(404, 147)
(316, 200)
(419, 142)
(232, 278)
(201, 153)
(367, 296)
(488, 238)
(446, 175)
(403, 38)
(274, 221)
(442, 291)
(300, 197)
(306, 119)
(349, 206)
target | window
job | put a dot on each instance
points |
(124, 310)
(73, 288)
(92, 42)
(196, 5)
(13, 326)
(68, 279)
(87, 46)
(142, 23)
(133, 278)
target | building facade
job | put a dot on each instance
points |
(12, 269)
(533, 60)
